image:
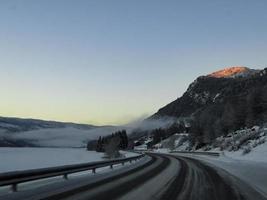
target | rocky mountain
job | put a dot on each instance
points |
(236, 94)
(213, 88)
(233, 72)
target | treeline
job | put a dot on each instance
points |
(236, 112)
(162, 133)
(119, 136)
(110, 144)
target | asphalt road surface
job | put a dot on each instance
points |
(157, 177)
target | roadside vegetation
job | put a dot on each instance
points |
(111, 144)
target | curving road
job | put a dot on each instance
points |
(157, 176)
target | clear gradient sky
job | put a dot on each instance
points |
(112, 61)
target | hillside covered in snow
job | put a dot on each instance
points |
(246, 144)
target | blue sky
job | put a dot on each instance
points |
(110, 62)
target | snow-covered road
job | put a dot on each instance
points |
(157, 176)
(252, 172)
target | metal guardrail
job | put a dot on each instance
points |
(198, 152)
(14, 178)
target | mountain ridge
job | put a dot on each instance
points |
(233, 72)
(14, 124)
(207, 90)
(216, 106)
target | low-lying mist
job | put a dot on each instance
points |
(78, 137)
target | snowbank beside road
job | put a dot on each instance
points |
(243, 154)
(249, 169)
(257, 154)
(14, 159)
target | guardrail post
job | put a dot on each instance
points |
(65, 176)
(111, 166)
(93, 170)
(14, 187)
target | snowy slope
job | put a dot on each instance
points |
(233, 72)
(257, 154)
(11, 124)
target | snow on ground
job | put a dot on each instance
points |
(251, 167)
(251, 171)
(257, 154)
(14, 159)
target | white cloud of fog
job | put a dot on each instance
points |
(75, 137)
(60, 137)
(150, 124)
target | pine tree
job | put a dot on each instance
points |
(256, 107)
(99, 147)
